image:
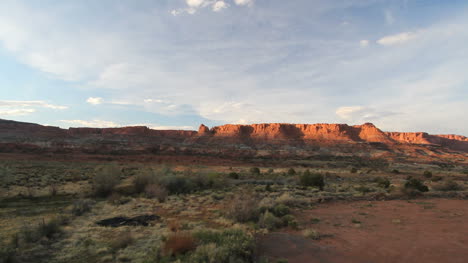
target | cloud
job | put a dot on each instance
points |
(361, 113)
(94, 100)
(364, 43)
(16, 112)
(21, 108)
(96, 123)
(195, 3)
(32, 103)
(397, 39)
(219, 5)
(244, 2)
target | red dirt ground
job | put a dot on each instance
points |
(430, 230)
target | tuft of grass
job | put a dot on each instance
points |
(81, 207)
(122, 241)
(449, 185)
(311, 233)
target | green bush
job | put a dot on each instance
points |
(383, 182)
(353, 170)
(232, 245)
(8, 254)
(290, 220)
(243, 207)
(395, 171)
(437, 178)
(269, 221)
(416, 184)
(280, 210)
(427, 174)
(233, 175)
(255, 170)
(178, 184)
(291, 171)
(106, 179)
(143, 179)
(312, 179)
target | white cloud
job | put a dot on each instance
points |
(31, 103)
(361, 113)
(16, 112)
(96, 123)
(219, 5)
(91, 123)
(195, 3)
(94, 100)
(21, 108)
(364, 43)
(244, 2)
(397, 39)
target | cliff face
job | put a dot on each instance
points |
(450, 141)
(307, 132)
(268, 139)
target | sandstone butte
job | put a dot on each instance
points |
(265, 133)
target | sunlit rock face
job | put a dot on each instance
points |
(268, 140)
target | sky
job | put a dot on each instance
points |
(174, 64)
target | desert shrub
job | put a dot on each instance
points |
(291, 201)
(363, 189)
(312, 179)
(243, 207)
(416, 184)
(53, 189)
(311, 233)
(290, 220)
(449, 185)
(8, 254)
(255, 170)
(141, 180)
(81, 207)
(280, 210)
(117, 199)
(427, 174)
(122, 241)
(383, 182)
(231, 245)
(395, 171)
(51, 228)
(233, 175)
(291, 171)
(178, 244)
(437, 178)
(156, 191)
(106, 179)
(270, 171)
(353, 170)
(269, 221)
(177, 184)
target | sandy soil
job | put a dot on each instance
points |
(387, 231)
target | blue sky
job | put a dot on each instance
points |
(400, 64)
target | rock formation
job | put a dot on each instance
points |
(231, 141)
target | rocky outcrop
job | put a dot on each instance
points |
(279, 140)
(450, 141)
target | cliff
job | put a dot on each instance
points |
(233, 141)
